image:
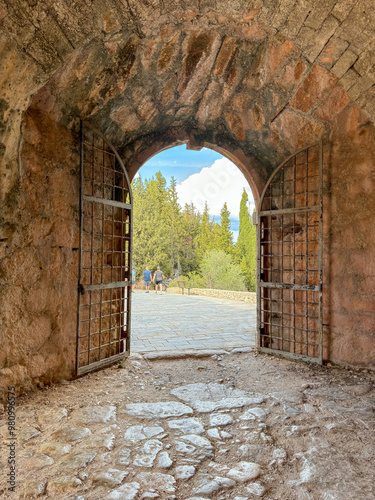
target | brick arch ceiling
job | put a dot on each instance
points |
(267, 77)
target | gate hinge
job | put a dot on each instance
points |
(81, 289)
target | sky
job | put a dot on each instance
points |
(202, 176)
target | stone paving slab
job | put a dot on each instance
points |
(168, 321)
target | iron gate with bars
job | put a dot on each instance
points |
(290, 258)
(105, 254)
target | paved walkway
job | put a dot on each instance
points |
(170, 321)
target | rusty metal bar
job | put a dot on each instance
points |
(97, 365)
(81, 180)
(291, 355)
(128, 337)
(282, 262)
(289, 286)
(307, 252)
(258, 260)
(321, 252)
(105, 286)
(108, 202)
(102, 261)
(294, 256)
(300, 210)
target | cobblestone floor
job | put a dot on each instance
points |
(236, 426)
(171, 321)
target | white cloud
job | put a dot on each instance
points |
(219, 183)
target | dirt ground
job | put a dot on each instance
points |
(235, 426)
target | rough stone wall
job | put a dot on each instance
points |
(250, 297)
(254, 81)
(350, 241)
(39, 271)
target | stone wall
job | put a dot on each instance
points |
(38, 290)
(250, 297)
(349, 313)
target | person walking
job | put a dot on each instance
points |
(147, 277)
(133, 279)
(158, 279)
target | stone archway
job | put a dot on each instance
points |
(221, 77)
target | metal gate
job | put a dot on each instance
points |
(290, 258)
(105, 254)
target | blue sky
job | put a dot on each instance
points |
(179, 162)
(202, 176)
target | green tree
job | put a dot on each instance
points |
(150, 234)
(224, 235)
(141, 223)
(245, 248)
(166, 235)
(219, 271)
(206, 233)
(191, 225)
(175, 225)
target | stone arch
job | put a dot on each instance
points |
(178, 137)
(257, 83)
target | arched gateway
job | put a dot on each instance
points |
(290, 275)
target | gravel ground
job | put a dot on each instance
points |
(228, 426)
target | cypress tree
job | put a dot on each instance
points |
(191, 225)
(245, 249)
(205, 237)
(224, 235)
(175, 225)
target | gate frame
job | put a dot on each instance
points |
(81, 288)
(318, 288)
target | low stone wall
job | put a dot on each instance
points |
(250, 297)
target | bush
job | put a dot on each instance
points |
(194, 280)
(219, 271)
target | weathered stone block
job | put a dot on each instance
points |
(127, 118)
(315, 41)
(225, 56)
(201, 50)
(332, 51)
(236, 124)
(361, 86)
(319, 13)
(297, 130)
(313, 89)
(349, 79)
(290, 76)
(296, 20)
(168, 54)
(332, 106)
(343, 9)
(345, 62)
(366, 60)
(276, 55)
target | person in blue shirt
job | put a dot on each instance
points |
(147, 277)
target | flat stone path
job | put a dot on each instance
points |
(162, 322)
